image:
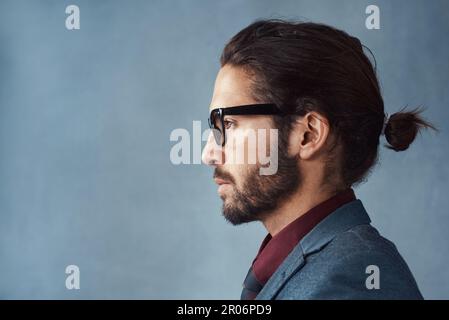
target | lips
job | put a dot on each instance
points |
(224, 187)
(221, 181)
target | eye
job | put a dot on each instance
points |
(228, 123)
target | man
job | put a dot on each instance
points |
(313, 84)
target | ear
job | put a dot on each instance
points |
(309, 135)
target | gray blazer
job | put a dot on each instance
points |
(331, 262)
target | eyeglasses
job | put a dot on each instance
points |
(216, 118)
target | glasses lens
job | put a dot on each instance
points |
(216, 125)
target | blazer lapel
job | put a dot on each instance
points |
(341, 220)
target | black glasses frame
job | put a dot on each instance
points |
(249, 109)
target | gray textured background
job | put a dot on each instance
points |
(85, 119)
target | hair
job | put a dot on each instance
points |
(304, 67)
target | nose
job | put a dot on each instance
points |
(212, 153)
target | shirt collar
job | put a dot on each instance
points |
(274, 250)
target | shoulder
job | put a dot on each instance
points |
(363, 246)
(357, 264)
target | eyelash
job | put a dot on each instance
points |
(228, 124)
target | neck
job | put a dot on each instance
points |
(295, 206)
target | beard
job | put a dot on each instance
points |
(259, 194)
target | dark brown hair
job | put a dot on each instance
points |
(305, 67)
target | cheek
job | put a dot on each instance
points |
(258, 147)
(251, 147)
(242, 146)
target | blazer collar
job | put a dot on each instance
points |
(341, 220)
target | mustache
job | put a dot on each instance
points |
(221, 174)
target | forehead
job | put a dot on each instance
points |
(232, 88)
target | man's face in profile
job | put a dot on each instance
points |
(247, 195)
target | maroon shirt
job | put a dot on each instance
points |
(274, 250)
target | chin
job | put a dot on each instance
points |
(236, 216)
